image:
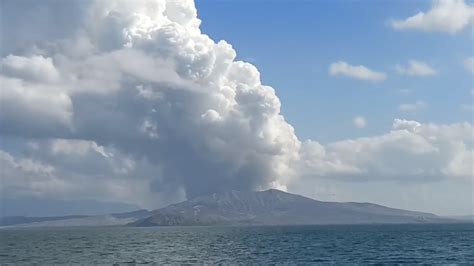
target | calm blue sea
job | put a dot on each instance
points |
(453, 243)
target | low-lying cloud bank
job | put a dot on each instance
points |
(135, 104)
(410, 151)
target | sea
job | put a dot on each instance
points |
(365, 244)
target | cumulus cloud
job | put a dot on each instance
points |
(469, 64)
(34, 108)
(415, 68)
(79, 169)
(357, 72)
(359, 122)
(412, 107)
(448, 16)
(80, 147)
(36, 68)
(27, 176)
(410, 151)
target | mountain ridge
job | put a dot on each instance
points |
(269, 207)
(275, 207)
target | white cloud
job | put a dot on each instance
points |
(469, 64)
(415, 68)
(80, 147)
(65, 169)
(34, 107)
(359, 122)
(27, 176)
(36, 68)
(357, 72)
(448, 16)
(412, 107)
(410, 151)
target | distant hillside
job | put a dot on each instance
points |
(270, 207)
(11, 220)
(43, 207)
(75, 220)
(274, 207)
(465, 218)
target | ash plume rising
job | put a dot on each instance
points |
(139, 76)
(128, 101)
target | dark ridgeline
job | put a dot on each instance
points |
(270, 207)
(274, 207)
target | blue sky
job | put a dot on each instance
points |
(293, 44)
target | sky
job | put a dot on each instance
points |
(147, 103)
(294, 44)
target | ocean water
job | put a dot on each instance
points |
(449, 243)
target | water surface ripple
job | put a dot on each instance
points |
(449, 243)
